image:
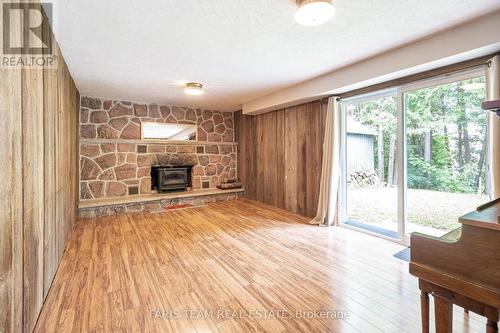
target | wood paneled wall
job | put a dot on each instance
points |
(38, 184)
(280, 155)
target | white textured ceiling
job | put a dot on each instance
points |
(144, 50)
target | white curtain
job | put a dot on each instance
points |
(330, 169)
(493, 93)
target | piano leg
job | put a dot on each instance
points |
(491, 327)
(443, 314)
(424, 309)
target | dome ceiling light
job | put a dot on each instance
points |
(193, 88)
(314, 12)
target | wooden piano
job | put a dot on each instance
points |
(461, 268)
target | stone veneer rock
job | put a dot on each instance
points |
(111, 163)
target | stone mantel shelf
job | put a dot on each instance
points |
(162, 142)
(153, 197)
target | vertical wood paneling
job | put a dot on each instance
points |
(282, 154)
(252, 153)
(268, 150)
(50, 175)
(291, 159)
(260, 174)
(33, 198)
(59, 155)
(38, 184)
(302, 172)
(11, 193)
(280, 189)
(314, 144)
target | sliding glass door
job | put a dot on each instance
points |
(415, 158)
(446, 152)
(370, 176)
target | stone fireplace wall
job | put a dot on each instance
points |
(114, 161)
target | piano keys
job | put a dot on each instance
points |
(461, 268)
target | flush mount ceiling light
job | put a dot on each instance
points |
(193, 88)
(314, 12)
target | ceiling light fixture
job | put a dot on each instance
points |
(193, 88)
(314, 12)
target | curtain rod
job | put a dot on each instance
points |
(445, 70)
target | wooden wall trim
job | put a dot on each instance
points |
(280, 155)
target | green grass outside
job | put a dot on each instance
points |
(435, 209)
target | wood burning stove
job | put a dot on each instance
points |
(171, 178)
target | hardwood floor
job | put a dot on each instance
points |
(132, 272)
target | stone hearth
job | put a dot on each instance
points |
(154, 203)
